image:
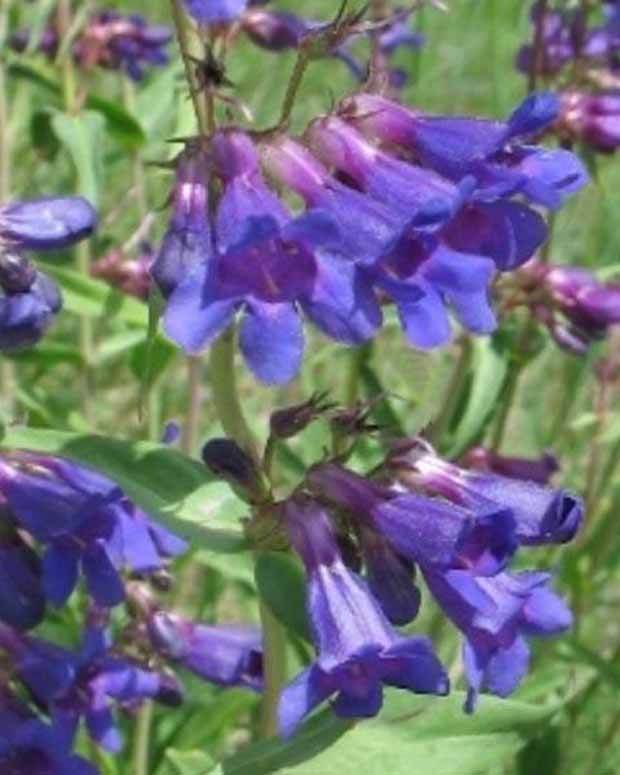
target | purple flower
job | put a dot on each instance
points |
(592, 119)
(129, 276)
(358, 651)
(86, 683)
(491, 151)
(495, 616)
(226, 655)
(48, 223)
(85, 522)
(188, 242)
(115, 41)
(29, 746)
(274, 30)
(266, 261)
(22, 600)
(389, 577)
(578, 309)
(539, 470)
(215, 11)
(26, 313)
(423, 530)
(542, 515)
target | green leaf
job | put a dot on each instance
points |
(172, 488)
(281, 583)
(82, 136)
(410, 729)
(488, 370)
(188, 762)
(121, 125)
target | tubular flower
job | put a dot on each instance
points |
(492, 152)
(495, 616)
(429, 531)
(358, 651)
(265, 264)
(542, 515)
(86, 683)
(592, 119)
(226, 655)
(84, 521)
(30, 746)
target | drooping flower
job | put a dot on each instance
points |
(85, 684)
(429, 531)
(265, 263)
(592, 119)
(30, 746)
(496, 615)
(493, 152)
(47, 223)
(29, 302)
(85, 522)
(542, 515)
(357, 649)
(226, 655)
(22, 599)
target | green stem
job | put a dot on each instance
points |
(453, 393)
(142, 738)
(7, 368)
(181, 23)
(191, 426)
(225, 395)
(274, 669)
(357, 358)
(294, 83)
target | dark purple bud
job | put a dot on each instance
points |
(22, 601)
(48, 223)
(17, 273)
(274, 30)
(226, 459)
(226, 655)
(286, 423)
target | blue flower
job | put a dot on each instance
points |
(428, 531)
(86, 683)
(215, 11)
(47, 223)
(226, 655)
(358, 650)
(29, 746)
(495, 616)
(542, 515)
(22, 600)
(491, 151)
(28, 311)
(85, 522)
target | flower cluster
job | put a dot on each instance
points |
(461, 528)
(575, 307)
(61, 521)
(110, 40)
(29, 299)
(402, 208)
(563, 37)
